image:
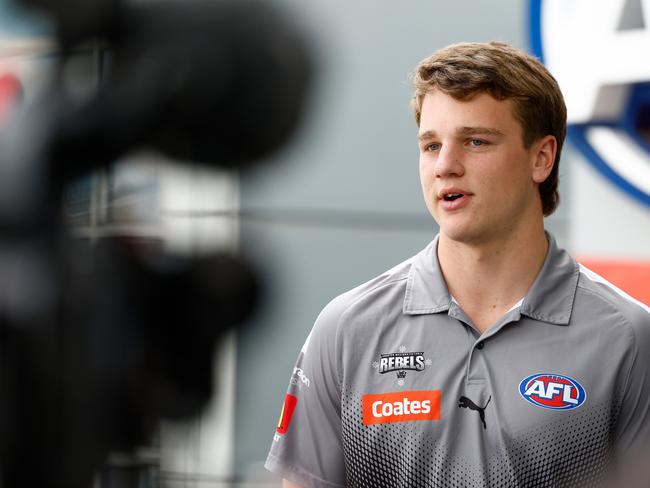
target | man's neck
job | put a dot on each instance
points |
(487, 279)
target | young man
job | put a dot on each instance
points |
(491, 358)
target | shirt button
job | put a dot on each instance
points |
(480, 345)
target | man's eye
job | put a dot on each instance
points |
(477, 142)
(433, 147)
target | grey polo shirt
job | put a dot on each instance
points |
(396, 387)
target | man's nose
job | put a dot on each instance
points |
(449, 161)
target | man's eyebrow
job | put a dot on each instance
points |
(479, 130)
(465, 131)
(426, 135)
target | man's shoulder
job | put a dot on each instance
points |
(393, 277)
(611, 304)
(384, 290)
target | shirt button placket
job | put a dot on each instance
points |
(475, 364)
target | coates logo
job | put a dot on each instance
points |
(586, 44)
(401, 406)
(553, 391)
(288, 407)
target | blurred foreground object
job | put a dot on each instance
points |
(98, 343)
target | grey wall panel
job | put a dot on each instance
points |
(358, 146)
(605, 222)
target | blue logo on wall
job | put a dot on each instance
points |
(588, 46)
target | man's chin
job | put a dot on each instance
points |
(464, 234)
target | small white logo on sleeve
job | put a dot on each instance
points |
(299, 378)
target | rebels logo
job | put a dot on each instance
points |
(401, 406)
(553, 391)
(401, 361)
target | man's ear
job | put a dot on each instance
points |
(543, 157)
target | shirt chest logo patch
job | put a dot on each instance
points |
(400, 406)
(552, 391)
(400, 363)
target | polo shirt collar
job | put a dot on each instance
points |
(426, 290)
(550, 298)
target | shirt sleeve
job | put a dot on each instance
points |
(307, 446)
(632, 439)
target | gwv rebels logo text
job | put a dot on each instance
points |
(401, 362)
(401, 406)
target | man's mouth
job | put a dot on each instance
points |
(450, 197)
(453, 198)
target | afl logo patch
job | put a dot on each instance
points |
(553, 391)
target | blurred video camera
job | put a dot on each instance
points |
(98, 343)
